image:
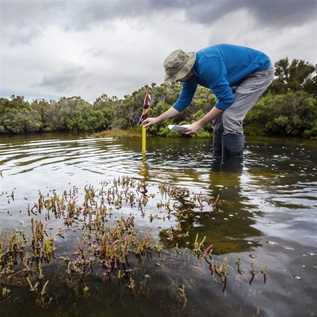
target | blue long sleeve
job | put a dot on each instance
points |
(219, 68)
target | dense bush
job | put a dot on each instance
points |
(293, 114)
(289, 107)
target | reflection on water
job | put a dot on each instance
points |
(269, 210)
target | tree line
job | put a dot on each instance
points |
(288, 107)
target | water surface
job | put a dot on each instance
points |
(269, 216)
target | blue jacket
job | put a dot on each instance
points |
(220, 67)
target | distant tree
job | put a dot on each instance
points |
(289, 107)
(295, 76)
(291, 114)
(17, 116)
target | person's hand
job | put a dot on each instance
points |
(192, 129)
(149, 121)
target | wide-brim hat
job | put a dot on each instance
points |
(178, 64)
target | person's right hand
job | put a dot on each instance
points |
(149, 122)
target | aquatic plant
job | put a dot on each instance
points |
(106, 244)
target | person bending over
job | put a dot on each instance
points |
(237, 75)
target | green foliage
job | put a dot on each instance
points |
(204, 134)
(68, 114)
(295, 76)
(291, 114)
(287, 108)
(18, 116)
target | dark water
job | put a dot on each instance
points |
(269, 216)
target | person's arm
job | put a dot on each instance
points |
(183, 101)
(217, 82)
(196, 126)
(171, 112)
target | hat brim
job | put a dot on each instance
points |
(185, 69)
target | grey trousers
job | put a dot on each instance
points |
(245, 96)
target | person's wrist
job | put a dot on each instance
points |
(199, 123)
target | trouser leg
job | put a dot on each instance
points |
(229, 124)
(232, 152)
(217, 151)
(232, 145)
(246, 95)
(217, 136)
(217, 144)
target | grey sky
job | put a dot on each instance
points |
(53, 49)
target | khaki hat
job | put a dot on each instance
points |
(178, 64)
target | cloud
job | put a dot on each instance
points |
(23, 37)
(63, 79)
(272, 14)
(53, 49)
(82, 15)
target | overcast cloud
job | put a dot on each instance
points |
(54, 49)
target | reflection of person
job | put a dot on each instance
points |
(237, 76)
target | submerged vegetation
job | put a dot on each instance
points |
(289, 107)
(95, 239)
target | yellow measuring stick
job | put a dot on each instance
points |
(146, 105)
(143, 139)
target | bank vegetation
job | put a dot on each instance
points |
(288, 108)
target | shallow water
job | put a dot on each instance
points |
(269, 216)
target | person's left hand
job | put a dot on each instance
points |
(192, 129)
